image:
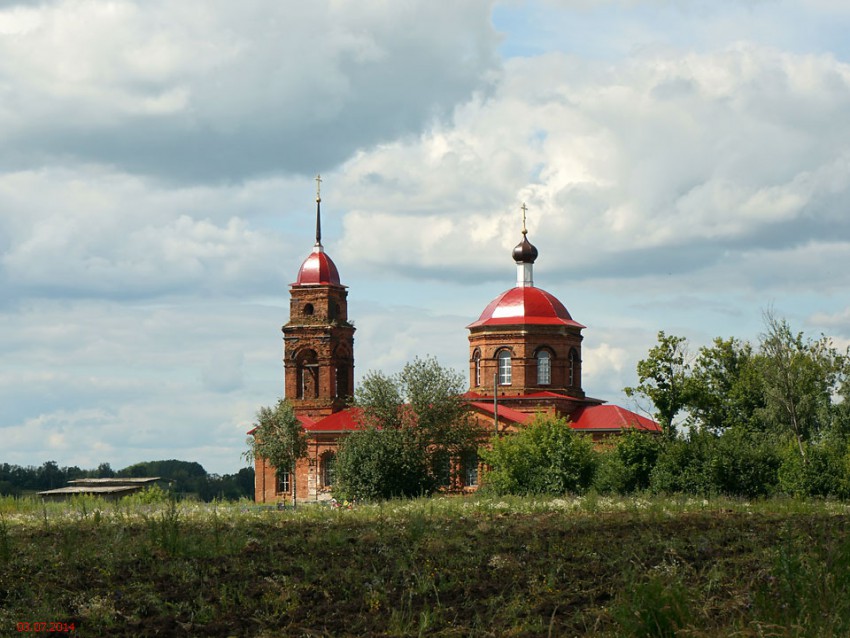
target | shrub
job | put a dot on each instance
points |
(823, 472)
(373, 464)
(680, 468)
(744, 463)
(546, 457)
(627, 467)
(736, 463)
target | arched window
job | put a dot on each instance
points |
(476, 359)
(327, 469)
(573, 363)
(470, 469)
(342, 381)
(308, 309)
(544, 368)
(307, 375)
(504, 367)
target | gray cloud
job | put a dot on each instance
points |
(204, 91)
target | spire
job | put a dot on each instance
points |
(524, 255)
(318, 243)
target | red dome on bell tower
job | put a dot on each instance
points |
(318, 270)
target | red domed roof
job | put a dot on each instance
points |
(318, 269)
(525, 305)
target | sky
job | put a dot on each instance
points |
(685, 163)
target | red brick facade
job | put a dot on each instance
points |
(531, 351)
(525, 339)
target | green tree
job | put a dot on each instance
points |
(664, 378)
(424, 396)
(726, 388)
(378, 464)
(800, 377)
(280, 439)
(424, 402)
(627, 466)
(545, 457)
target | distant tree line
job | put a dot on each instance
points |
(186, 478)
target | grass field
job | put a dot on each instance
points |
(438, 567)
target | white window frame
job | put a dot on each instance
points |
(505, 367)
(544, 368)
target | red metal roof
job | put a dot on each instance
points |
(504, 412)
(305, 421)
(610, 417)
(317, 269)
(525, 305)
(343, 421)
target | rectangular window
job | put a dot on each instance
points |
(504, 368)
(470, 469)
(443, 469)
(544, 369)
(283, 485)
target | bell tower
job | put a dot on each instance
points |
(318, 340)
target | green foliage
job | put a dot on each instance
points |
(726, 387)
(800, 377)
(736, 463)
(546, 457)
(627, 467)
(148, 496)
(425, 397)
(744, 463)
(822, 470)
(664, 378)
(278, 437)
(412, 420)
(184, 477)
(379, 464)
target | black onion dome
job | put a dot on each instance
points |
(525, 252)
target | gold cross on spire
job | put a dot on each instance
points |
(318, 188)
(524, 211)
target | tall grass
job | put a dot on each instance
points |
(591, 565)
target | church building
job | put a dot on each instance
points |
(524, 358)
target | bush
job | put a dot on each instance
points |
(744, 463)
(546, 457)
(736, 463)
(823, 473)
(679, 468)
(373, 464)
(626, 468)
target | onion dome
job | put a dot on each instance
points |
(525, 305)
(318, 269)
(525, 252)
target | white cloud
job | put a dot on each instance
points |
(695, 154)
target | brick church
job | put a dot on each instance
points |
(524, 358)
